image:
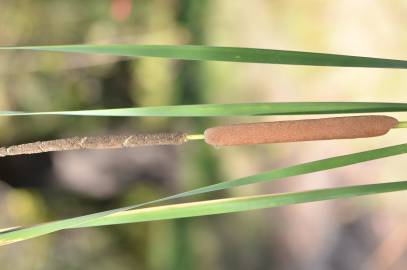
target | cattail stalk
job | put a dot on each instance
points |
(254, 133)
(401, 125)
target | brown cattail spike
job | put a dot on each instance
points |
(95, 142)
(300, 130)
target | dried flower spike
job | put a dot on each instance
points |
(95, 142)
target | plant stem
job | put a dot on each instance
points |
(401, 125)
(195, 137)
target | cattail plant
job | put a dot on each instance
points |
(239, 134)
(351, 127)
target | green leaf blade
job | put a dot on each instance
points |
(240, 204)
(227, 54)
(20, 234)
(237, 109)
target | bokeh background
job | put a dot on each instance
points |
(362, 233)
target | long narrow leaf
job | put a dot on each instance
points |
(229, 54)
(204, 208)
(238, 109)
(239, 204)
(301, 169)
(20, 234)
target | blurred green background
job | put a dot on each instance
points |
(365, 233)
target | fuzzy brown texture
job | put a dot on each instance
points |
(95, 142)
(300, 130)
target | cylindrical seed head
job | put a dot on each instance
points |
(300, 130)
